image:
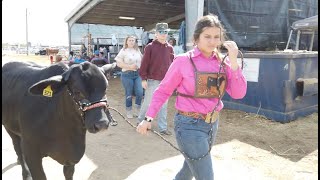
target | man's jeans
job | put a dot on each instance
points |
(192, 136)
(162, 114)
(131, 82)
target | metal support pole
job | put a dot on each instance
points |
(98, 46)
(289, 39)
(194, 10)
(27, 31)
(89, 43)
(89, 50)
(297, 41)
(69, 36)
(207, 7)
(311, 43)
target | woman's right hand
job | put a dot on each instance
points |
(144, 84)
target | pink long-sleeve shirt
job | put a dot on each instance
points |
(181, 76)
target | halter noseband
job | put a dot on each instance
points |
(88, 106)
(83, 107)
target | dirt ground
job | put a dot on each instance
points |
(292, 140)
(119, 151)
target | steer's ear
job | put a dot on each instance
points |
(108, 67)
(47, 87)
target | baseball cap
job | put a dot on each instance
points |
(96, 52)
(162, 27)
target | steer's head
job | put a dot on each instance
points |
(87, 86)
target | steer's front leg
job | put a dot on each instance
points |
(68, 171)
(33, 160)
(16, 140)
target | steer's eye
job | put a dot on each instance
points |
(79, 95)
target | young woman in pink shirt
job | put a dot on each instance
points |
(196, 122)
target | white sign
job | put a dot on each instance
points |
(114, 40)
(250, 68)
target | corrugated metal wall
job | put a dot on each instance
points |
(262, 24)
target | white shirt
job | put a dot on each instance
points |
(129, 56)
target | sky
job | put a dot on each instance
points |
(46, 24)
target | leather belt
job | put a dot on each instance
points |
(205, 117)
(129, 71)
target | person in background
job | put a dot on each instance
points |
(95, 56)
(103, 57)
(172, 42)
(157, 57)
(196, 122)
(176, 49)
(98, 59)
(100, 49)
(70, 56)
(129, 59)
(79, 59)
(83, 50)
(105, 53)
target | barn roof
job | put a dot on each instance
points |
(145, 12)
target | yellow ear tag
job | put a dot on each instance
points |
(47, 91)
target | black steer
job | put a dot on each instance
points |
(47, 110)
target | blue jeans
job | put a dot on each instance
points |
(193, 138)
(162, 114)
(131, 82)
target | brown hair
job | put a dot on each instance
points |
(173, 40)
(125, 45)
(209, 20)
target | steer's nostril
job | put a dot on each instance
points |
(101, 125)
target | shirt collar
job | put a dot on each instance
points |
(157, 42)
(197, 52)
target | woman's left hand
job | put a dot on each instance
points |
(233, 51)
(143, 127)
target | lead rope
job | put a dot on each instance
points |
(210, 141)
(167, 141)
(155, 132)
(214, 109)
(220, 97)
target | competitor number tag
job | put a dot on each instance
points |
(47, 91)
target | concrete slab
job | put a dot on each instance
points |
(232, 160)
(237, 160)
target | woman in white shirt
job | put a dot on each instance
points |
(129, 59)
